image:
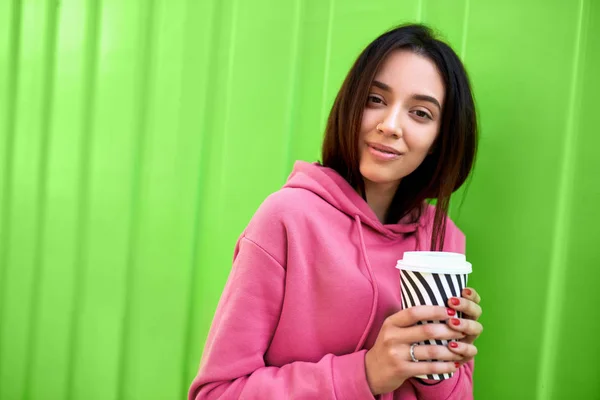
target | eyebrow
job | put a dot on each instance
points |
(421, 97)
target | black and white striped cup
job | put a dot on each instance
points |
(430, 278)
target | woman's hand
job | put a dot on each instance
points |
(388, 364)
(468, 325)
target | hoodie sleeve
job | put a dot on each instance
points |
(233, 365)
(460, 386)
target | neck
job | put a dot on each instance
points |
(379, 197)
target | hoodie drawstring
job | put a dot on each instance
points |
(363, 248)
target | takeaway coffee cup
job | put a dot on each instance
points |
(431, 278)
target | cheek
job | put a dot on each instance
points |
(369, 121)
(421, 141)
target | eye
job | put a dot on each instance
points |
(372, 99)
(422, 114)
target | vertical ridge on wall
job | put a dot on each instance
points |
(218, 63)
(214, 209)
(225, 128)
(555, 294)
(28, 148)
(307, 125)
(47, 372)
(294, 78)
(201, 71)
(45, 122)
(207, 72)
(577, 345)
(144, 92)
(10, 101)
(327, 66)
(89, 77)
(461, 194)
(420, 12)
(156, 310)
(465, 31)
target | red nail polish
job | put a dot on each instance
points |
(455, 321)
(468, 292)
(451, 312)
(454, 345)
(455, 301)
(457, 365)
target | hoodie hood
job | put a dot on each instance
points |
(335, 190)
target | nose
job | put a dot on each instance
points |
(390, 126)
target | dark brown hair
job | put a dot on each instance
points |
(453, 153)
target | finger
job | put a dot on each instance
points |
(471, 294)
(431, 368)
(466, 326)
(434, 352)
(471, 309)
(410, 316)
(434, 331)
(466, 351)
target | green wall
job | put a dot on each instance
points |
(138, 137)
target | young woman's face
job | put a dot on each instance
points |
(401, 119)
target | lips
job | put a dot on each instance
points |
(383, 148)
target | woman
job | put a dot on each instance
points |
(312, 307)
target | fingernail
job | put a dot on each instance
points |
(455, 321)
(455, 301)
(468, 292)
(457, 365)
(451, 312)
(454, 345)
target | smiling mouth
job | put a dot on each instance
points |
(384, 149)
(383, 153)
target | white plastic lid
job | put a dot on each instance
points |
(435, 262)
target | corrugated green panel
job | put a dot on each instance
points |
(49, 358)
(573, 371)
(522, 72)
(119, 63)
(309, 101)
(197, 109)
(156, 310)
(27, 136)
(138, 138)
(10, 31)
(450, 19)
(519, 206)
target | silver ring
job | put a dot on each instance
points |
(412, 352)
(378, 128)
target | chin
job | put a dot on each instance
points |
(380, 175)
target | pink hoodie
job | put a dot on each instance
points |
(312, 281)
